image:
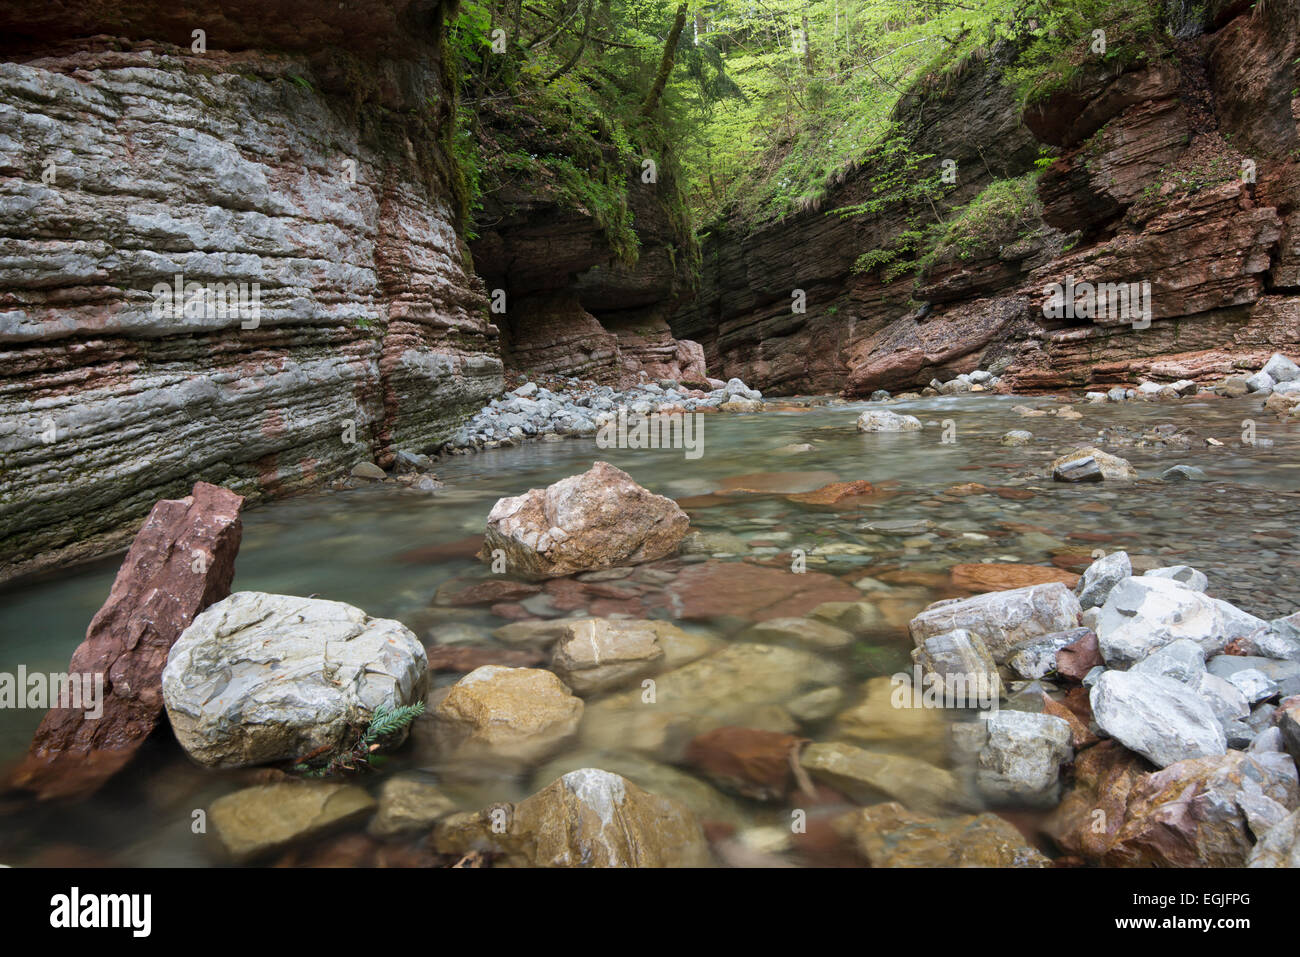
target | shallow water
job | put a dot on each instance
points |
(369, 547)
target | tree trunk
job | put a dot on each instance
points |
(666, 64)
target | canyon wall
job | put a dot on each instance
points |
(299, 151)
(1148, 186)
(574, 305)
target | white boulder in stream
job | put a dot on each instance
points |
(258, 678)
(599, 519)
(1001, 619)
(1161, 719)
(882, 420)
(1143, 614)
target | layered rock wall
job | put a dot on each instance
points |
(1148, 187)
(298, 152)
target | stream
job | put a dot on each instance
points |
(387, 548)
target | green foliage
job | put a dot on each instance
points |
(559, 110)
(361, 756)
(1003, 212)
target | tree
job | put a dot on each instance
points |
(665, 64)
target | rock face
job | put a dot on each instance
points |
(510, 716)
(587, 818)
(1220, 255)
(181, 561)
(1002, 619)
(743, 316)
(600, 519)
(275, 169)
(259, 678)
(1160, 718)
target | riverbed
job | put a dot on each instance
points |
(949, 494)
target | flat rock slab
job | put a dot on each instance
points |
(181, 561)
(757, 592)
(258, 820)
(997, 576)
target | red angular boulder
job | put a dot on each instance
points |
(181, 561)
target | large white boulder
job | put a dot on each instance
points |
(1161, 719)
(258, 677)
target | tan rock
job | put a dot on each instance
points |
(409, 804)
(599, 519)
(886, 720)
(587, 818)
(742, 684)
(596, 654)
(869, 776)
(889, 835)
(510, 715)
(258, 820)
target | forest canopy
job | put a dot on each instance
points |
(753, 107)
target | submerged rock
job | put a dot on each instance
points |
(587, 818)
(599, 519)
(882, 420)
(505, 716)
(595, 654)
(260, 677)
(742, 684)
(409, 804)
(870, 776)
(258, 820)
(890, 835)
(748, 761)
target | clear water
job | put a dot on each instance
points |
(363, 546)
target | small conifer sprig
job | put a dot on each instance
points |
(384, 722)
